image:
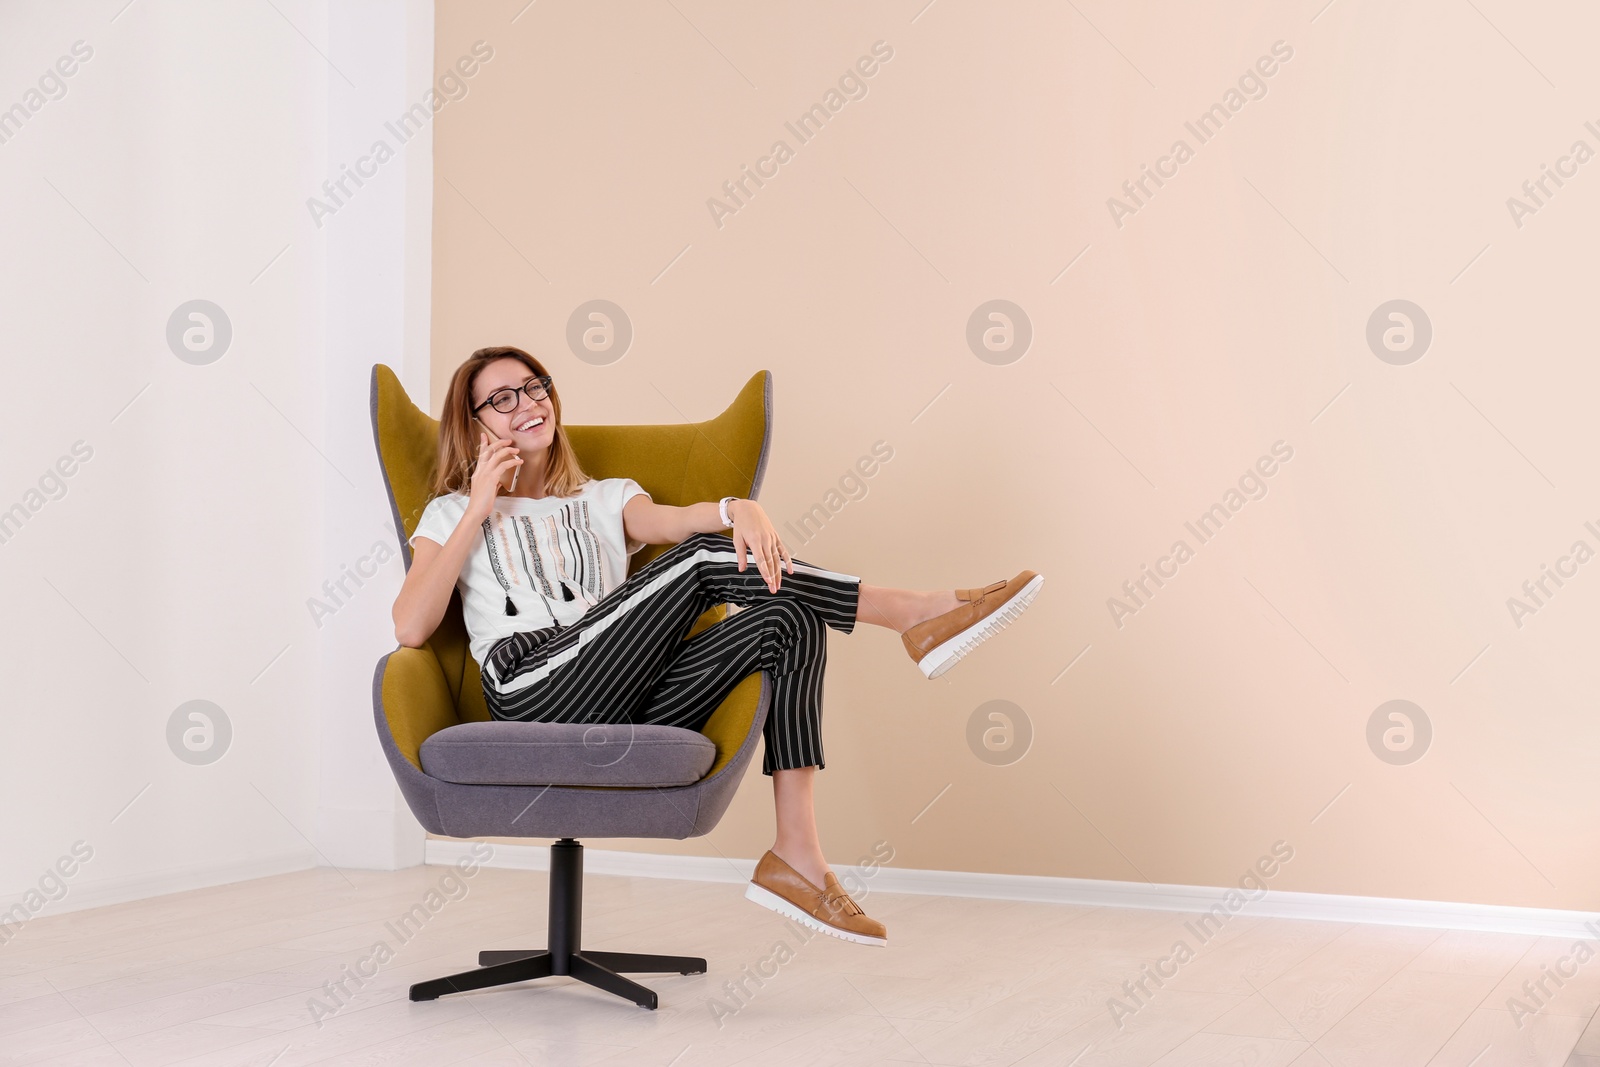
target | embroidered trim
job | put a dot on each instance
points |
(538, 560)
(511, 566)
(522, 549)
(592, 578)
(494, 556)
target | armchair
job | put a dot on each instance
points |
(465, 775)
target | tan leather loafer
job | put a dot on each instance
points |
(830, 909)
(938, 643)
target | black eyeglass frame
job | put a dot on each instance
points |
(544, 381)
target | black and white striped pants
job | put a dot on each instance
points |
(626, 660)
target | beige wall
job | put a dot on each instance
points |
(1227, 313)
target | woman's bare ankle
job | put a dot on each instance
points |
(934, 604)
(901, 609)
(808, 862)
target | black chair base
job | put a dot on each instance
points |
(599, 969)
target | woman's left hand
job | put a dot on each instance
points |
(753, 531)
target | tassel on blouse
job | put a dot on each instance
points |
(571, 590)
(566, 594)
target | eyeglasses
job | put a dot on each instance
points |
(505, 400)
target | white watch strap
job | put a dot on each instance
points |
(722, 506)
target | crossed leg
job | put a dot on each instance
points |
(604, 685)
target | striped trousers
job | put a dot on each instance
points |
(626, 659)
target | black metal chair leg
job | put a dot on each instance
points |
(644, 961)
(490, 957)
(521, 970)
(586, 970)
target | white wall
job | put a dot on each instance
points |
(177, 561)
(378, 250)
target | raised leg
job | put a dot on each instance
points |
(901, 609)
(607, 661)
(522, 970)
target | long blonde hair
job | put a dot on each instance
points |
(458, 440)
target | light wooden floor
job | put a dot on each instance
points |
(227, 975)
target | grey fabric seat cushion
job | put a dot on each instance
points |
(550, 753)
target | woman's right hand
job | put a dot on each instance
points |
(495, 458)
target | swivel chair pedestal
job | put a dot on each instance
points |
(563, 956)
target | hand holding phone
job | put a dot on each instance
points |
(516, 468)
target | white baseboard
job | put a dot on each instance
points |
(88, 892)
(1275, 904)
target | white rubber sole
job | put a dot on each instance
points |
(942, 657)
(768, 899)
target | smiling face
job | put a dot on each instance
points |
(531, 423)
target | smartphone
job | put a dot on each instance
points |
(516, 470)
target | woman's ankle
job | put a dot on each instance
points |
(901, 609)
(932, 604)
(811, 864)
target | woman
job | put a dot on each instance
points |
(562, 636)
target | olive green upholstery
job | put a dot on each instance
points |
(418, 692)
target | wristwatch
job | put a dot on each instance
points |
(722, 507)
